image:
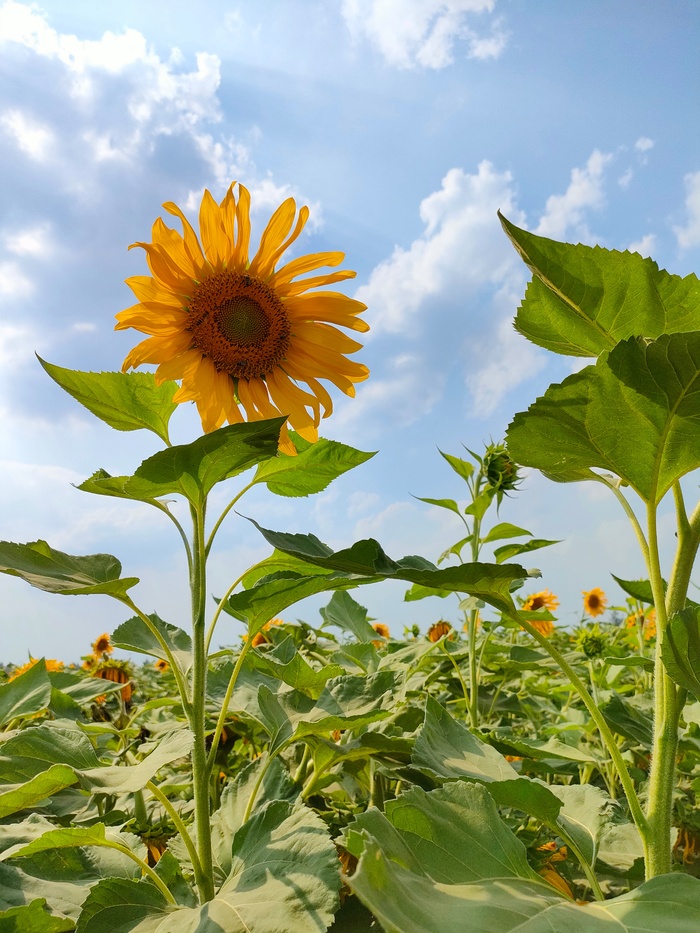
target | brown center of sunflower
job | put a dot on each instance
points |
(536, 602)
(240, 324)
(593, 601)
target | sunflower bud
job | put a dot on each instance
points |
(500, 469)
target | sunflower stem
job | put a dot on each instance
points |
(200, 772)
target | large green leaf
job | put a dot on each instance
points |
(55, 572)
(33, 918)
(26, 694)
(634, 414)
(70, 837)
(15, 797)
(443, 830)
(446, 749)
(135, 635)
(366, 562)
(275, 593)
(680, 649)
(125, 401)
(445, 861)
(292, 668)
(34, 750)
(194, 469)
(627, 719)
(284, 879)
(314, 467)
(347, 614)
(583, 300)
(130, 778)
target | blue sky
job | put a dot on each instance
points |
(405, 125)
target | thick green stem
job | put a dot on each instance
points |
(200, 773)
(598, 718)
(668, 698)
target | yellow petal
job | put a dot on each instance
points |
(305, 264)
(277, 229)
(240, 253)
(191, 242)
(291, 289)
(212, 231)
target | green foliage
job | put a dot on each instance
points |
(55, 572)
(125, 401)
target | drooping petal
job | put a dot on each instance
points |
(277, 229)
(212, 232)
(303, 264)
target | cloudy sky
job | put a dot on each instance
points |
(404, 125)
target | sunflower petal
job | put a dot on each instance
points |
(212, 231)
(274, 234)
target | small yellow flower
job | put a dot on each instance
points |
(438, 630)
(238, 332)
(381, 629)
(161, 666)
(594, 601)
(102, 645)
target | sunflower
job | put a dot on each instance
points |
(438, 630)
(383, 630)
(260, 638)
(594, 601)
(161, 666)
(645, 621)
(239, 333)
(51, 665)
(119, 672)
(543, 626)
(102, 645)
(542, 600)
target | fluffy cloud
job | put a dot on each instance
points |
(645, 246)
(411, 33)
(688, 235)
(564, 213)
(32, 137)
(462, 249)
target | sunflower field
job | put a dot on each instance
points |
(491, 773)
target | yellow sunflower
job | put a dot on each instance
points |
(594, 601)
(381, 629)
(51, 665)
(542, 600)
(102, 645)
(438, 630)
(239, 333)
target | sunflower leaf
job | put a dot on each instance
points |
(634, 413)
(680, 649)
(583, 300)
(33, 918)
(347, 614)
(125, 401)
(366, 562)
(194, 469)
(17, 797)
(55, 572)
(26, 694)
(134, 635)
(312, 470)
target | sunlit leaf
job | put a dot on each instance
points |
(55, 572)
(130, 778)
(312, 470)
(583, 300)
(33, 918)
(33, 751)
(346, 613)
(15, 797)
(26, 694)
(194, 469)
(680, 649)
(125, 401)
(634, 414)
(134, 635)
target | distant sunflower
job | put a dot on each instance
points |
(543, 626)
(161, 666)
(260, 638)
(51, 665)
(542, 600)
(381, 629)
(594, 601)
(438, 630)
(102, 645)
(239, 333)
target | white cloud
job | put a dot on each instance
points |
(586, 190)
(13, 282)
(409, 392)
(505, 360)
(644, 144)
(462, 248)
(626, 177)
(409, 33)
(33, 138)
(34, 241)
(689, 234)
(645, 246)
